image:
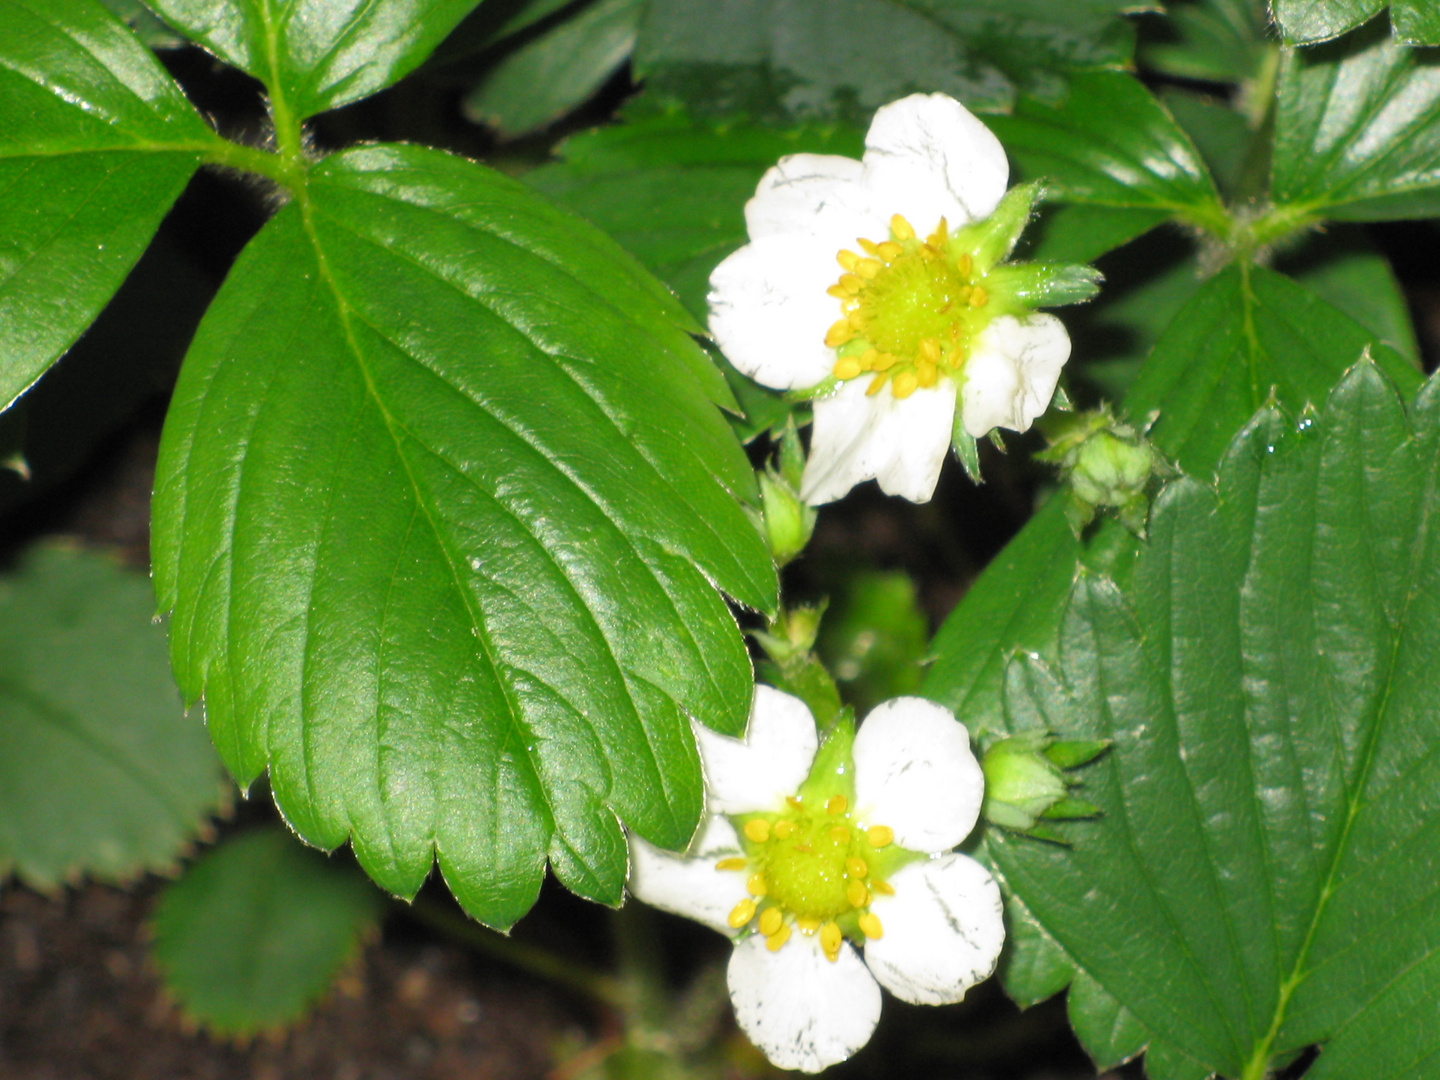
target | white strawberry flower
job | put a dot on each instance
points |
(831, 866)
(919, 318)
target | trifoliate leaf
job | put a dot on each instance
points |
(1415, 22)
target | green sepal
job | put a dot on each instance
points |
(833, 772)
(991, 240)
(966, 449)
(1071, 809)
(1042, 284)
(792, 454)
(1071, 754)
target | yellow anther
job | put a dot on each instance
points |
(875, 384)
(836, 804)
(838, 334)
(940, 235)
(904, 385)
(884, 362)
(840, 834)
(734, 862)
(847, 259)
(775, 940)
(830, 939)
(851, 283)
(868, 359)
(756, 885)
(757, 830)
(838, 291)
(869, 268)
(854, 318)
(784, 830)
(793, 801)
(857, 894)
(883, 888)
(847, 367)
(868, 246)
(770, 921)
(890, 251)
(878, 835)
(965, 264)
(856, 867)
(741, 913)
(901, 229)
(807, 925)
(928, 351)
(927, 373)
(870, 926)
(978, 296)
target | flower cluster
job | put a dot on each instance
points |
(879, 286)
(831, 866)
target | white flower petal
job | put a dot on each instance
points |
(930, 155)
(901, 443)
(821, 196)
(943, 930)
(772, 761)
(803, 1011)
(689, 884)
(1011, 376)
(769, 311)
(914, 772)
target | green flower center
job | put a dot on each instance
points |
(910, 309)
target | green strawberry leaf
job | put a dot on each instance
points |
(1415, 22)
(442, 507)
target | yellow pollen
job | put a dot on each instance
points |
(901, 229)
(839, 334)
(838, 291)
(836, 804)
(742, 913)
(929, 350)
(870, 926)
(847, 367)
(868, 359)
(775, 940)
(770, 921)
(830, 939)
(757, 831)
(890, 251)
(978, 296)
(884, 362)
(856, 320)
(884, 888)
(784, 830)
(857, 894)
(940, 235)
(879, 836)
(807, 925)
(869, 269)
(964, 264)
(927, 374)
(840, 834)
(852, 284)
(793, 801)
(847, 259)
(734, 862)
(875, 385)
(856, 867)
(756, 885)
(868, 246)
(904, 385)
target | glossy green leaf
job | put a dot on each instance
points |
(1220, 132)
(1111, 144)
(101, 771)
(1358, 131)
(1267, 863)
(1415, 22)
(789, 59)
(548, 76)
(1207, 40)
(1108, 1031)
(97, 142)
(154, 33)
(255, 931)
(314, 55)
(441, 499)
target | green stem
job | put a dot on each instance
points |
(231, 155)
(593, 984)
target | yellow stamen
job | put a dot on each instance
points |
(734, 862)
(807, 925)
(890, 251)
(775, 940)
(868, 359)
(851, 283)
(847, 367)
(847, 259)
(869, 268)
(784, 830)
(793, 801)
(978, 296)
(770, 921)
(929, 350)
(901, 229)
(757, 831)
(857, 894)
(904, 385)
(855, 319)
(836, 804)
(965, 264)
(927, 373)
(875, 385)
(839, 334)
(878, 835)
(840, 834)
(756, 885)
(856, 867)
(830, 939)
(870, 926)
(884, 362)
(741, 913)
(883, 888)
(868, 246)
(838, 291)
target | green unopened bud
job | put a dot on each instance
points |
(788, 522)
(792, 665)
(1105, 465)
(1025, 781)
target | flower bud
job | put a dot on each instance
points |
(1105, 465)
(788, 522)
(1025, 781)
